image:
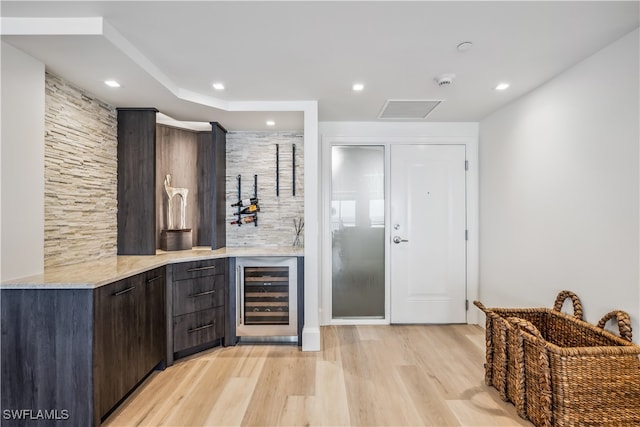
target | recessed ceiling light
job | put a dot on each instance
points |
(271, 123)
(218, 86)
(502, 86)
(112, 83)
(358, 87)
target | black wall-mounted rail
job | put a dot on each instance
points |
(277, 170)
(294, 168)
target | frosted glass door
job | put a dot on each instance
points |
(357, 231)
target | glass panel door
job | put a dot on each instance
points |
(266, 295)
(357, 228)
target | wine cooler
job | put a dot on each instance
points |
(267, 298)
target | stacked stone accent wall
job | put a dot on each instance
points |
(250, 153)
(81, 169)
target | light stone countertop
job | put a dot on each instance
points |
(93, 274)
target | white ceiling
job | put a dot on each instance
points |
(167, 54)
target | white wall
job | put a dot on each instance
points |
(22, 157)
(559, 189)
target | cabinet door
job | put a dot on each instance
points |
(218, 237)
(154, 329)
(211, 167)
(117, 340)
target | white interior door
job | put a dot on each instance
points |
(428, 232)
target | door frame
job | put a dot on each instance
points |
(472, 216)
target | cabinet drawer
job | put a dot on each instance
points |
(193, 269)
(197, 294)
(191, 330)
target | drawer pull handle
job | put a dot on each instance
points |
(199, 328)
(211, 267)
(124, 291)
(200, 294)
(153, 279)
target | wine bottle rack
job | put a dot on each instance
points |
(247, 211)
(266, 295)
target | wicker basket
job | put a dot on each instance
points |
(561, 371)
(575, 375)
(499, 372)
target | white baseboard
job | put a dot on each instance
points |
(310, 338)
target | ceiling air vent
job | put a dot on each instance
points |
(407, 109)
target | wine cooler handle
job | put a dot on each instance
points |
(239, 295)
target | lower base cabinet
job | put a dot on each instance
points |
(129, 335)
(198, 314)
(68, 356)
(46, 357)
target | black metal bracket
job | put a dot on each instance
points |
(255, 195)
(247, 209)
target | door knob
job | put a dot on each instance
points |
(398, 239)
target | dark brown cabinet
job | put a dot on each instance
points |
(136, 181)
(80, 351)
(117, 324)
(155, 313)
(212, 169)
(129, 335)
(147, 152)
(46, 358)
(198, 316)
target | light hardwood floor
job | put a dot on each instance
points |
(364, 376)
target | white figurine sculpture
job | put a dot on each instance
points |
(175, 191)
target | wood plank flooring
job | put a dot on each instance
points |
(364, 376)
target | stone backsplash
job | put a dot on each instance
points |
(254, 153)
(80, 175)
(81, 179)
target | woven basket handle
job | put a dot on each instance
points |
(624, 323)
(544, 379)
(527, 326)
(577, 305)
(491, 323)
(481, 306)
(487, 311)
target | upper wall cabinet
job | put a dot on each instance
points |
(136, 181)
(211, 206)
(147, 153)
